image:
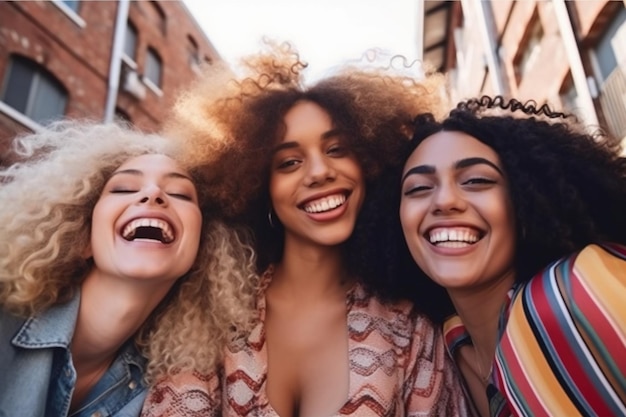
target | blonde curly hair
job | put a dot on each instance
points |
(48, 197)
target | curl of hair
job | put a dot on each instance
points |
(234, 123)
(568, 186)
(211, 307)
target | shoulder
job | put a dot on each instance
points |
(597, 271)
(566, 325)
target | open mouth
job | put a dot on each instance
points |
(149, 230)
(453, 237)
(325, 204)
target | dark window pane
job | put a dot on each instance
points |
(153, 67)
(130, 41)
(72, 4)
(49, 101)
(17, 86)
(31, 90)
(605, 51)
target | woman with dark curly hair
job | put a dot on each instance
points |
(488, 199)
(112, 253)
(331, 339)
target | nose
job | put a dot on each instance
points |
(448, 199)
(153, 194)
(319, 171)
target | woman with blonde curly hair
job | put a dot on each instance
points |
(301, 166)
(111, 252)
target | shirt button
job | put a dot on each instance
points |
(132, 385)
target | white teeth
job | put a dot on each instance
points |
(453, 238)
(166, 230)
(325, 204)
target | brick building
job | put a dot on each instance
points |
(95, 60)
(570, 54)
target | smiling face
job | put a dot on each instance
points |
(146, 224)
(456, 212)
(316, 185)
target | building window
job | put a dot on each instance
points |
(30, 89)
(72, 4)
(193, 52)
(610, 59)
(529, 50)
(158, 17)
(611, 49)
(130, 41)
(154, 67)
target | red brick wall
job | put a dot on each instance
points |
(81, 57)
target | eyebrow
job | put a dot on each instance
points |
(136, 172)
(463, 163)
(293, 144)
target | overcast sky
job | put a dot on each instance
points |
(325, 32)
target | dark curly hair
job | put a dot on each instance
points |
(235, 123)
(568, 186)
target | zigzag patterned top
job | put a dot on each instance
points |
(398, 367)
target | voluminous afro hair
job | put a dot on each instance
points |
(234, 122)
(567, 185)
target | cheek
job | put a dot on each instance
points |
(410, 216)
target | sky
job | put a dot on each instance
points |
(326, 33)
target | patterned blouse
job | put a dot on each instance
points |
(397, 360)
(562, 349)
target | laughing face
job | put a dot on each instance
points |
(316, 185)
(456, 212)
(146, 224)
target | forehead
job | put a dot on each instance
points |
(152, 164)
(444, 149)
(306, 117)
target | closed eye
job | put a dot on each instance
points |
(337, 150)
(479, 180)
(122, 191)
(184, 197)
(289, 163)
(417, 189)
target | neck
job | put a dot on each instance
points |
(479, 310)
(111, 311)
(311, 272)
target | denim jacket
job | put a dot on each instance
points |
(37, 375)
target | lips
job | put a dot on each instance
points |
(148, 229)
(325, 203)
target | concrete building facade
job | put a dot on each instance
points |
(95, 60)
(569, 54)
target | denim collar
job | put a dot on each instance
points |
(52, 328)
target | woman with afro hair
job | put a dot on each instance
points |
(301, 169)
(489, 197)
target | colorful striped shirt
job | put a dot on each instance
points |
(563, 350)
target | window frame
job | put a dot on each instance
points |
(38, 75)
